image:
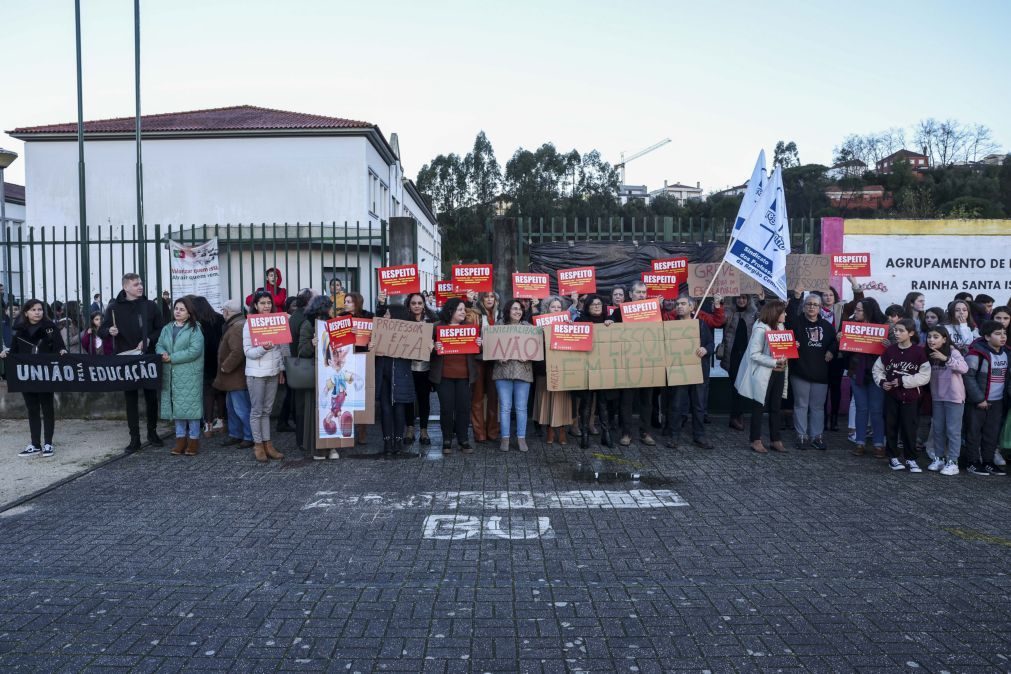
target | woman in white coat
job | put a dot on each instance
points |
(264, 368)
(762, 378)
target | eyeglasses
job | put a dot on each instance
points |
(812, 304)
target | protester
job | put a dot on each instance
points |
(731, 352)
(835, 312)
(634, 401)
(692, 392)
(336, 291)
(264, 367)
(165, 307)
(453, 375)
(982, 308)
(34, 334)
(617, 297)
(231, 377)
(96, 304)
(988, 394)
(181, 346)
(91, 343)
(134, 323)
(932, 317)
(593, 312)
(484, 396)
(394, 384)
(212, 324)
(762, 377)
(513, 379)
(868, 397)
(947, 392)
(901, 371)
(272, 284)
(961, 326)
(318, 309)
(295, 324)
(354, 306)
(912, 308)
(817, 346)
(418, 311)
(69, 323)
(552, 409)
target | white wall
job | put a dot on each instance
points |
(429, 243)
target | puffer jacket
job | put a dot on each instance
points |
(231, 360)
(182, 386)
(261, 362)
(757, 365)
(42, 338)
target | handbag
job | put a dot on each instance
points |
(299, 373)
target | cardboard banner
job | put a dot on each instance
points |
(571, 337)
(457, 339)
(402, 339)
(476, 277)
(681, 340)
(400, 280)
(782, 343)
(671, 265)
(662, 285)
(863, 338)
(808, 272)
(196, 270)
(851, 264)
(268, 329)
(49, 373)
(345, 391)
(550, 319)
(362, 327)
(728, 283)
(530, 286)
(582, 280)
(641, 311)
(340, 331)
(512, 342)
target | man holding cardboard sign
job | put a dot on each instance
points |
(693, 392)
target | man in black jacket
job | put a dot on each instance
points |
(693, 392)
(133, 323)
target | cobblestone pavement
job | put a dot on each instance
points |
(719, 560)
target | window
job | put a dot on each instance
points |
(373, 192)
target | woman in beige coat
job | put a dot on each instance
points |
(762, 378)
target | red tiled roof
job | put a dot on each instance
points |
(235, 118)
(14, 194)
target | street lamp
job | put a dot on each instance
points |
(7, 158)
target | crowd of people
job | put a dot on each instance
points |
(938, 387)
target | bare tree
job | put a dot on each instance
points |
(925, 134)
(979, 142)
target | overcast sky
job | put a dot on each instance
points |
(722, 79)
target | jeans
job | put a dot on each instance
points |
(188, 428)
(40, 409)
(870, 403)
(773, 403)
(513, 394)
(454, 409)
(946, 427)
(982, 432)
(262, 391)
(808, 407)
(238, 406)
(133, 411)
(690, 395)
(900, 419)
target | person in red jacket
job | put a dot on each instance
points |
(272, 284)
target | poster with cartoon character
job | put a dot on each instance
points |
(341, 388)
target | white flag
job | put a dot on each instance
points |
(763, 241)
(756, 187)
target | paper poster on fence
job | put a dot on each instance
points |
(196, 270)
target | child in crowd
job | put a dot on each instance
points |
(948, 401)
(901, 370)
(987, 393)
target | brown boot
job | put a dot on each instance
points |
(268, 446)
(180, 447)
(562, 439)
(259, 453)
(879, 453)
(192, 447)
(551, 435)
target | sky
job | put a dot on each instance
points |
(722, 80)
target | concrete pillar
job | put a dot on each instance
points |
(505, 254)
(403, 243)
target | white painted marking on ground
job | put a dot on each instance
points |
(470, 527)
(505, 500)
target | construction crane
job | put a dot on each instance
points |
(624, 160)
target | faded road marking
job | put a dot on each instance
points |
(471, 527)
(973, 535)
(505, 500)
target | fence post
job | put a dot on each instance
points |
(505, 254)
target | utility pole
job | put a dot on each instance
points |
(82, 225)
(141, 233)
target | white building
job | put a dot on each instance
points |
(14, 204)
(230, 167)
(627, 193)
(678, 192)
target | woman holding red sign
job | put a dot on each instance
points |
(354, 306)
(394, 387)
(762, 378)
(552, 409)
(593, 312)
(868, 397)
(264, 364)
(452, 375)
(512, 380)
(417, 310)
(484, 400)
(817, 346)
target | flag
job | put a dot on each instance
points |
(756, 187)
(763, 242)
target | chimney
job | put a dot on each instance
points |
(698, 184)
(924, 150)
(665, 184)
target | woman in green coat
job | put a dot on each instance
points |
(181, 346)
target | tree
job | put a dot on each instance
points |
(916, 202)
(979, 142)
(805, 190)
(534, 179)
(482, 171)
(445, 179)
(1005, 184)
(786, 155)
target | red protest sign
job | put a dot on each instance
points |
(571, 337)
(534, 286)
(268, 329)
(340, 331)
(671, 265)
(580, 280)
(551, 319)
(863, 338)
(782, 343)
(457, 339)
(362, 329)
(663, 285)
(851, 264)
(476, 277)
(641, 311)
(399, 280)
(444, 292)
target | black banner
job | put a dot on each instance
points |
(83, 373)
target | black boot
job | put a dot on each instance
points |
(153, 439)
(387, 445)
(398, 443)
(584, 439)
(605, 437)
(134, 445)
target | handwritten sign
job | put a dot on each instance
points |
(476, 277)
(402, 339)
(457, 339)
(551, 319)
(808, 272)
(512, 342)
(268, 329)
(851, 264)
(641, 311)
(571, 337)
(533, 286)
(727, 284)
(362, 327)
(340, 331)
(863, 338)
(399, 280)
(582, 280)
(782, 343)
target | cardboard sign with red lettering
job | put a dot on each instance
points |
(551, 319)
(268, 329)
(571, 337)
(400, 280)
(641, 311)
(851, 264)
(782, 343)
(582, 280)
(444, 292)
(671, 265)
(362, 329)
(476, 277)
(340, 331)
(457, 339)
(532, 286)
(664, 285)
(863, 338)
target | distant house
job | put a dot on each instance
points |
(14, 204)
(678, 192)
(868, 197)
(627, 193)
(918, 162)
(854, 168)
(994, 159)
(735, 191)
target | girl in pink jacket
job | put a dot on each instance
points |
(948, 393)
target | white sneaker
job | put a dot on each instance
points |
(935, 465)
(895, 464)
(950, 468)
(334, 454)
(913, 466)
(998, 460)
(47, 450)
(30, 450)
(218, 425)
